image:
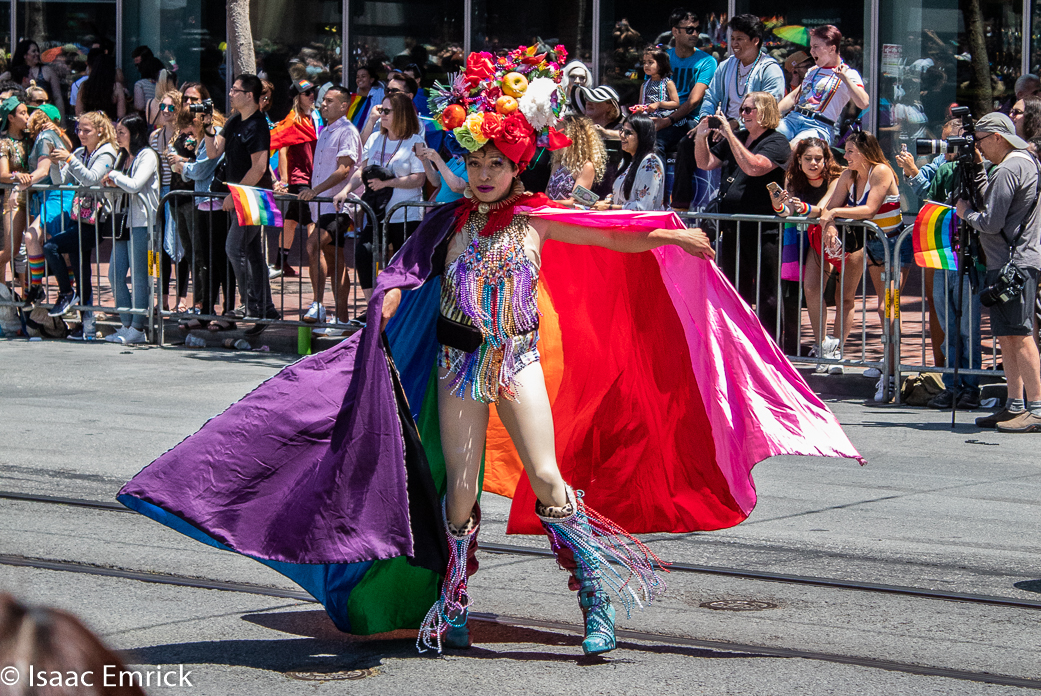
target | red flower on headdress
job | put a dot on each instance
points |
(561, 53)
(479, 66)
(515, 128)
(533, 60)
(491, 126)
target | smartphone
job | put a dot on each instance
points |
(584, 197)
(773, 188)
(715, 122)
(903, 147)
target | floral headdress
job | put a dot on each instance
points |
(509, 101)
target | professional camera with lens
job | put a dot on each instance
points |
(958, 145)
(1007, 286)
(203, 107)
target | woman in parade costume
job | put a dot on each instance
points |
(333, 471)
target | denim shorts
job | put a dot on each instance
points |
(876, 254)
(795, 123)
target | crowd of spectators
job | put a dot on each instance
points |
(751, 130)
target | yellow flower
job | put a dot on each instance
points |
(473, 124)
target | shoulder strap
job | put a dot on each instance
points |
(1026, 219)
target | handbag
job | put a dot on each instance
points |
(377, 200)
(90, 208)
(458, 332)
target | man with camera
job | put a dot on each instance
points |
(1010, 236)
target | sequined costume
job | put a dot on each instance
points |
(492, 285)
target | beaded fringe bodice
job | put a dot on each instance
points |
(495, 285)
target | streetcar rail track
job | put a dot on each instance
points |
(742, 573)
(752, 651)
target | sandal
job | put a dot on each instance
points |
(182, 307)
(221, 325)
(193, 324)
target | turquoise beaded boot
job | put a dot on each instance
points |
(445, 624)
(586, 544)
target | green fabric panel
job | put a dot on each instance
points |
(393, 594)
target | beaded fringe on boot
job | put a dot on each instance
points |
(603, 549)
(451, 608)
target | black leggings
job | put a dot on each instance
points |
(397, 233)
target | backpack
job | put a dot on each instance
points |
(10, 315)
(40, 324)
(920, 388)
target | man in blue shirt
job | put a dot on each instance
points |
(692, 70)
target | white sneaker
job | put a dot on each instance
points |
(117, 337)
(338, 329)
(872, 373)
(880, 389)
(836, 369)
(132, 335)
(821, 368)
(833, 351)
(273, 272)
(315, 314)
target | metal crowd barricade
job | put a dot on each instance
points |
(975, 346)
(404, 205)
(768, 227)
(288, 293)
(91, 243)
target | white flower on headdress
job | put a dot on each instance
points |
(538, 103)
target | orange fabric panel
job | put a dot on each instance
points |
(502, 465)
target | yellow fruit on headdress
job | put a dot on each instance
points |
(514, 84)
(506, 105)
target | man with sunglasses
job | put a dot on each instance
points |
(245, 143)
(692, 70)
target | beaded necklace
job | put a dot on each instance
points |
(495, 285)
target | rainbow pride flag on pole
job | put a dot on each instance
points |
(935, 230)
(255, 206)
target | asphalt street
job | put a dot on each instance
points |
(936, 509)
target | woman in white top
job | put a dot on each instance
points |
(392, 151)
(641, 185)
(139, 178)
(87, 166)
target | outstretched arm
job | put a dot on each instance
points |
(693, 241)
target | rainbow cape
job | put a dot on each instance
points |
(292, 131)
(255, 206)
(935, 230)
(665, 390)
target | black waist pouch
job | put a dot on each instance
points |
(458, 333)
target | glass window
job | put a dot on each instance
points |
(502, 26)
(933, 54)
(186, 35)
(629, 26)
(426, 33)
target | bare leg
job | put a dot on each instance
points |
(813, 288)
(288, 235)
(341, 277)
(316, 242)
(529, 421)
(853, 271)
(464, 427)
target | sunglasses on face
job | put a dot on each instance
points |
(393, 90)
(689, 31)
(167, 107)
(746, 109)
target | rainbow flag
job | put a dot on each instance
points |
(935, 230)
(255, 206)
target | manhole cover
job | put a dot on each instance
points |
(737, 605)
(348, 675)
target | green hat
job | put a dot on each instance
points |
(6, 109)
(51, 110)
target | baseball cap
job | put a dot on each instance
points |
(6, 109)
(1002, 125)
(302, 86)
(50, 109)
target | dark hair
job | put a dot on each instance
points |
(150, 67)
(1031, 117)
(142, 52)
(681, 14)
(750, 25)
(198, 87)
(341, 89)
(139, 129)
(795, 180)
(16, 89)
(252, 85)
(828, 33)
(662, 59)
(646, 143)
(53, 640)
(98, 88)
(868, 146)
(20, 50)
(19, 72)
(411, 86)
